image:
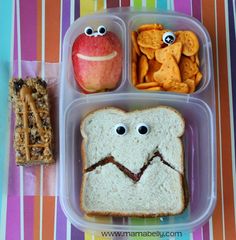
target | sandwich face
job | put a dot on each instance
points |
(132, 162)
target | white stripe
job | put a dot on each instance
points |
(168, 4)
(105, 4)
(219, 110)
(201, 232)
(43, 38)
(72, 11)
(3, 208)
(211, 229)
(68, 230)
(143, 3)
(230, 104)
(131, 3)
(191, 7)
(21, 168)
(18, 37)
(95, 5)
(172, 5)
(119, 3)
(41, 204)
(191, 235)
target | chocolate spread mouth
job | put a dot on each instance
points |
(134, 176)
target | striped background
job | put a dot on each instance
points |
(33, 30)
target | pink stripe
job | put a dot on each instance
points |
(197, 234)
(183, 6)
(206, 231)
(13, 218)
(13, 179)
(196, 6)
(28, 23)
(28, 218)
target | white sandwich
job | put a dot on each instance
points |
(133, 163)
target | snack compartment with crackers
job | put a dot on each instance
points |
(168, 56)
(107, 136)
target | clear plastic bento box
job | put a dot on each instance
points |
(198, 110)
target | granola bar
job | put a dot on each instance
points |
(33, 131)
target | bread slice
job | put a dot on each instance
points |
(133, 174)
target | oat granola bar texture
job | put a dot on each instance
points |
(33, 131)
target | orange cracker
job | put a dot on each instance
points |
(179, 87)
(134, 42)
(197, 59)
(150, 38)
(192, 58)
(153, 66)
(134, 73)
(189, 41)
(168, 71)
(174, 49)
(134, 55)
(142, 68)
(146, 27)
(154, 89)
(198, 78)
(187, 68)
(146, 85)
(149, 52)
(191, 85)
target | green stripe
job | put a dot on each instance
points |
(5, 71)
(138, 4)
(136, 221)
(150, 4)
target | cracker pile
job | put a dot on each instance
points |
(157, 66)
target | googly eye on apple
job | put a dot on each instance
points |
(101, 31)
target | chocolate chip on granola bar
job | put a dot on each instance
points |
(18, 85)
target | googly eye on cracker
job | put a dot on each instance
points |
(168, 38)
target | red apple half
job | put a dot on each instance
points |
(97, 62)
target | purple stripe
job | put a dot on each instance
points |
(196, 8)
(29, 217)
(232, 56)
(76, 233)
(61, 222)
(13, 218)
(77, 9)
(28, 23)
(206, 231)
(65, 17)
(182, 6)
(197, 234)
